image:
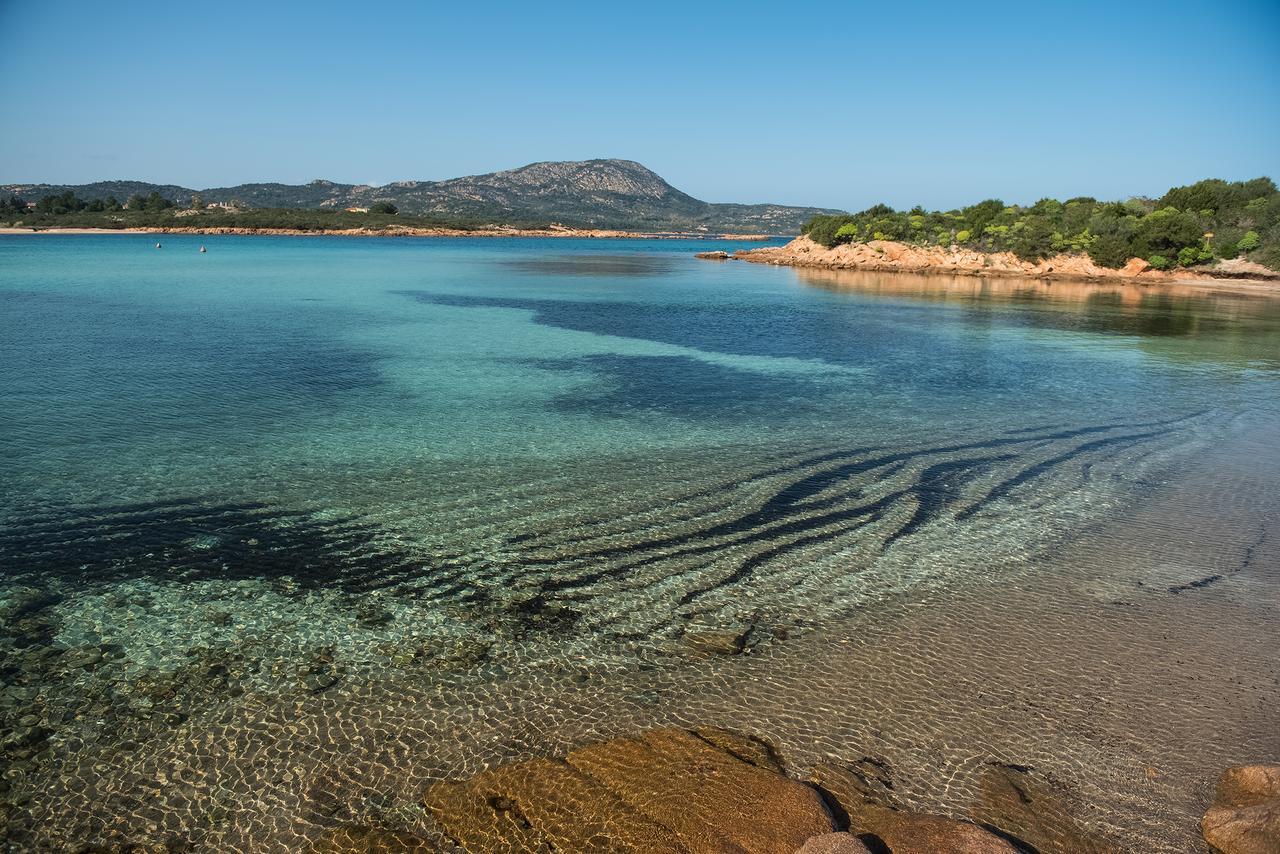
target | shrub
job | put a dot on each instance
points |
(1249, 242)
(1189, 255)
(823, 229)
(963, 236)
(1166, 231)
(978, 217)
(889, 228)
(1109, 250)
(1032, 238)
(1159, 262)
(877, 210)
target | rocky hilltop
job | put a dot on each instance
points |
(609, 194)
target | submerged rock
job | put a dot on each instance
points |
(749, 749)
(322, 673)
(1245, 816)
(1020, 804)
(82, 657)
(717, 641)
(27, 600)
(355, 839)
(319, 678)
(665, 790)
(833, 843)
(371, 615)
(861, 801)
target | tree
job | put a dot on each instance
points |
(824, 229)
(1249, 242)
(1167, 231)
(383, 208)
(197, 202)
(877, 210)
(1032, 238)
(1047, 208)
(156, 202)
(62, 203)
(978, 217)
(1211, 194)
(890, 227)
(1110, 250)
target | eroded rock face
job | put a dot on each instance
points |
(667, 790)
(1245, 816)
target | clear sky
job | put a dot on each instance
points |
(840, 104)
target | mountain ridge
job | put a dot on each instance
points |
(600, 193)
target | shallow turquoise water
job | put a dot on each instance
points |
(526, 449)
(489, 407)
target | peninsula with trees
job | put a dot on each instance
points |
(1212, 228)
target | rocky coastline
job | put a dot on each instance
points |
(709, 789)
(893, 257)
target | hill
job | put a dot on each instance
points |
(619, 194)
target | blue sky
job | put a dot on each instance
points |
(825, 103)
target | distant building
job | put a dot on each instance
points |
(226, 206)
(357, 210)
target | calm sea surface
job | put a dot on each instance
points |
(481, 497)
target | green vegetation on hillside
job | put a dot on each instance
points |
(588, 193)
(67, 210)
(1197, 224)
(618, 194)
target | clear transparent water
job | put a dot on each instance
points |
(314, 467)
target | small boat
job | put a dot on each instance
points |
(202, 249)
(157, 245)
